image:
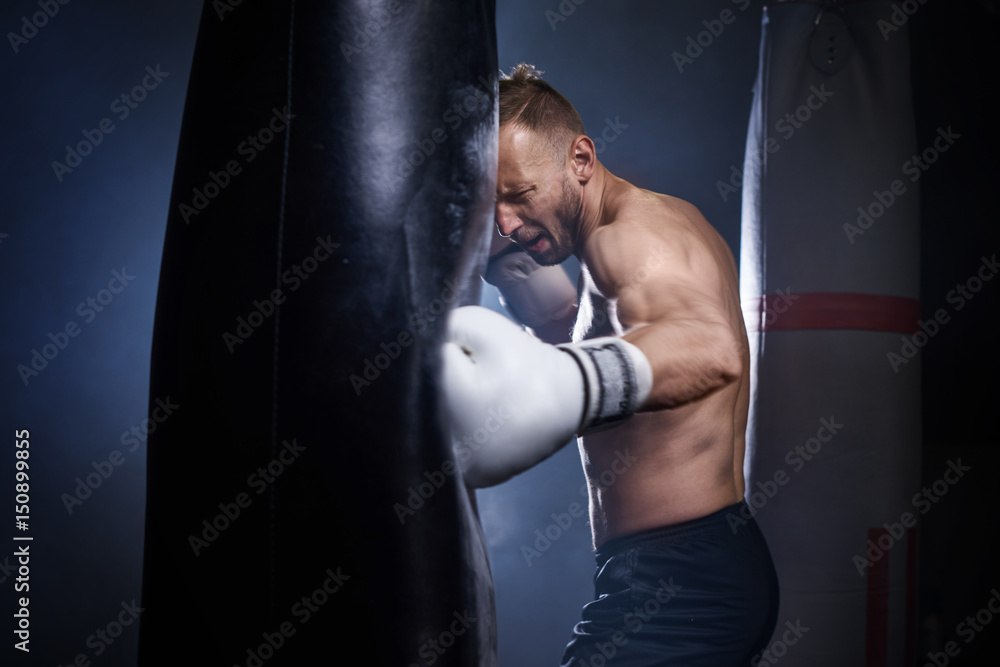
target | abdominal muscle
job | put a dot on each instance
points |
(665, 467)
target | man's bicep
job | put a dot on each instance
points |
(651, 279)
(683, 333)
(666, 296)
(674, 312)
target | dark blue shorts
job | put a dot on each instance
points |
(698, 593)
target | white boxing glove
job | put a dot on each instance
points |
(512, 401)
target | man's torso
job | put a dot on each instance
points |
(673, 465)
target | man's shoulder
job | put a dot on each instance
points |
(648, 235)
(645, 216)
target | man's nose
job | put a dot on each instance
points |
(507, 221)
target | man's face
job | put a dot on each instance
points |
(538, 202)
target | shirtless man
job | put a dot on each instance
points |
(658, 367)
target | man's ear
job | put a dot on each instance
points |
(583, 158)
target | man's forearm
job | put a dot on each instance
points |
(541, 298)
(689, 358)
(559, 329)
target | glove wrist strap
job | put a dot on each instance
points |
(617, 378)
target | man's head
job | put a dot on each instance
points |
(539, 186)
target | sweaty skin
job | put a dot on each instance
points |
(655, 272)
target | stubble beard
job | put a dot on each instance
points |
(563, 240)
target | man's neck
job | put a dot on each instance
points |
(599, 194)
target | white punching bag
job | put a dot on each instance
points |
(830, 287)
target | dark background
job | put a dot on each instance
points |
(60, 241)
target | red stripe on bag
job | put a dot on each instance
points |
(832, 310)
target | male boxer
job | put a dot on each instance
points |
(657, 373)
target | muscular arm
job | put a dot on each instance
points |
(668, 293)
(540, 297)
(556, 330)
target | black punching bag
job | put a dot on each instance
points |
(331, 202)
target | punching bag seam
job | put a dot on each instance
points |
(765, 82)
(272, 491)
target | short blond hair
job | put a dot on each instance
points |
(527, 101)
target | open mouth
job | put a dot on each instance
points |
(531, 243)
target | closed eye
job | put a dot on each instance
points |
(519, 196)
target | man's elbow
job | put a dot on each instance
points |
(727, 359)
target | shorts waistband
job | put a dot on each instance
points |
(674, 530)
